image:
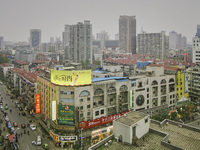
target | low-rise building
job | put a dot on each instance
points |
(131, 127)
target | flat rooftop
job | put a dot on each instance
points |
(152, 141)
(181, 137)
(131, 118)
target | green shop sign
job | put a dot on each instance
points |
(66, 115)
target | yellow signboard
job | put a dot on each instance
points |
(71, 78)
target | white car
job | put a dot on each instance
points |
(33, 127)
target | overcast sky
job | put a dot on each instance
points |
(19, 16)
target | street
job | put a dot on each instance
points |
(24, 140)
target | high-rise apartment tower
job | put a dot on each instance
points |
(127, 34)
(35, 38)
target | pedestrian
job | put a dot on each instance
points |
(24, 131)
(21, 134)
(28, 132)
(19, 114)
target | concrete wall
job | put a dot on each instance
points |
(124, 130)
(142, 127)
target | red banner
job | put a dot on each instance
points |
(99, 121)
(37, 109)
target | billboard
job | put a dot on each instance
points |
(53, 110)
(99, 121)
(37, 107)
(66, 115)
(71, 78)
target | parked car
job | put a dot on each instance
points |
(23, 113)
(33, 127)
(23, 126)
(15, 124)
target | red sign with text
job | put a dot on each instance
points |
(99, 121)
(37, 107)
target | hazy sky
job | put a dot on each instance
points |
(19, 16)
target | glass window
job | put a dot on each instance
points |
(81, 100)
(102, 111)
(81, 108)
(88, 113)
(84, 93)
(96, 113)
(88, 99)
(88, 106)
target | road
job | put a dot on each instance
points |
(25, 141)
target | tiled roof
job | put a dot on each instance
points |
(45, 59)
(54, 61)
(32, 77)
(16, 70)
(173, 68)
(5, 65)
(38, 61)
(21, 62)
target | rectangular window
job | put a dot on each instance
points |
(147, 95)
(81, 100)
(147, 89)
(147, 101)
(88, 106)
(81, 108)
(81, 115)
(96, 113)
(88, 99)
(88, 113)
(102, 111)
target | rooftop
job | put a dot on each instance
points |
(181, 137)
(5, 65)
(131, 118)
(22, 62)
(152, 142)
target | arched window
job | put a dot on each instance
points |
(154, 82)
(111, 90)
(163, 81)
(171, 80)
(123, 88)
(84, 93)
(98, 92)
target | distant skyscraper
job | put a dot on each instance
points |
(156, 44)
(184, 41)
(66, 35)
(127, 34)
(177, 41)
(35, 38)
(80, 47)
(198, 30)
(173, 40)
(1, 42)
(51, 39)
(102, 37)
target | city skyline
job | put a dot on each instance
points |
(18, 17)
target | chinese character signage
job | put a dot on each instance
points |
(37, 107)
(66, 115)
(71, 78)
(99, 121)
